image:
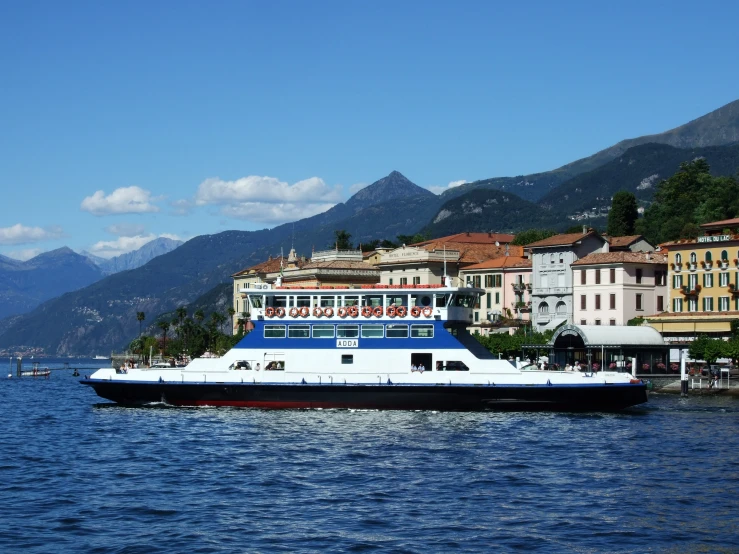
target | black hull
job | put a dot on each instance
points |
(384, 397)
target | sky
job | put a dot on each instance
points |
(121, 122)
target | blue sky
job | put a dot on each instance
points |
(124, 121)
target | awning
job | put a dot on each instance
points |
(556, 322)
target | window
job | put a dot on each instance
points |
(422, 331)
(692, 281)
(303, 301)
(477, 316)
(597, 301)
(724, 255)
(372, 331)
(692, 304)
(456, 366)
(708, 256)
(561, 258)
(583, 277)
(639, 302)
(678, 259)
(416, 280)
(597, 276)
(639, 272)
(347, 359)
(298, 331)
(327, 301)
(489, 301)
(441, 300)
(404, 280)
(396, 331)
(693, 258)
(707, 280)
(351, 301)
(612, 301)
(497, 280)
(347, 331)
(551, 258)
(583, 302)
(390, 281)
(543, 308)
(583, 322)
(497, 298)
(708, 304)
(660, 278)
(613, 322)
(256, 301)
(488, 281)
(323, 331)
(660, 303)
(677, 281)
(677, 305)
(597, 321)
(723, 304)
(723, 280)
(274, 331)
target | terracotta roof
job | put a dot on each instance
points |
(623, 241)
(622, 257)
(723, 223)
(688, 315)
(473, 253)
(339, 264)
(268, 266)
(565, 239)
(505, 262)
(694, 242)
(472, 238)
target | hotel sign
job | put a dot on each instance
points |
(714, 238)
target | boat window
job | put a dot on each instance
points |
(371, 300)
(454, 365)
(463, 300)
(372, 331)
(241, 364)
(347, 331)
(398, 300)
(397, 332)
(298, 331)
(327, 302)
(303, 301)
(421, 300)
(422, 331)
(347, 358)
(255, 300)
(279, 301)
(441, 300)
(323, 331)
(351, 301)
(274, 331)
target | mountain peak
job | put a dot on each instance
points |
(395, 185)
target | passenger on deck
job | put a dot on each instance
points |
(421, 368)
(568, 367)
(413, 368)
(258, 368)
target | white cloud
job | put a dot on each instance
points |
(181, 207)
(124, 200)
(267, 190)
(126, 229)
(20, 234)
(122, 245)
(436, 189)
(356, 187)
(24, 255)
(274, 214)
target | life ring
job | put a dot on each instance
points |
(294, 312)
(401, 311)
(269, 312)
(304, 311)
(366, 311)
(415, 311)
(427, 311)
(317, 312)
(280, 312)
(353, 311)
(329, 312)
(342, 312)
(377, 312)
(390, 311)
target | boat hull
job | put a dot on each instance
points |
(587, 397)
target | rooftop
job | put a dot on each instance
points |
(504, 262)
(721, 224)
(565, 239)
(623, 242)
(623, 257)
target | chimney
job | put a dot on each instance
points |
(649, 257)
(584, 229)
(468, 233)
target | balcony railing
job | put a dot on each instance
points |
(519, 287)
(687, 291)
(523, 307)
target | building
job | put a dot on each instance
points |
(425, 263)
(703, 279)
(611, 288)
(507, 284)
(551, 292)
(630, 243)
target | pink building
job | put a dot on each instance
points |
(610, 288)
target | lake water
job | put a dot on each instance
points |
(78, 474)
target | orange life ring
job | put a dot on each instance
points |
(401, 311)
(427, 311)
(415, 311)
(366, 311)
(317, 312)
(280, 312)
(342, 312)
(294, 312)
(390, 311)
(329, 312)
(304, 311)
(269, 312)
(353, 311)
(377, 312)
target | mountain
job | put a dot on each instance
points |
(717, 128)
(137, 258)
(25, 285)
(102, 316)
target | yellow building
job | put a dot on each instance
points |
(703, 280)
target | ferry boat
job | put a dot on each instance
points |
(374, 347)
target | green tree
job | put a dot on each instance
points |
(623, 215)
(164, 326)
(342, 240)
(231, 313)
(532, 235)
(140, 317)
(199, 316)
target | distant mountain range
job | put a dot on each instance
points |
(137, 258)
(102, 316)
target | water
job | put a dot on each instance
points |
(80, 475)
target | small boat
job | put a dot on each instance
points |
(101, 358)
(378, 347)
(36, 371)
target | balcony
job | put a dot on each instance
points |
(520, 287)
(522, 307)
(687, 291)
(543, 291)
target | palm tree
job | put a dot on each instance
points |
(181, 313)
(231, 313)
(199, 316)
(164, 326)
(140, 317)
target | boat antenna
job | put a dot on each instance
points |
(446, 278)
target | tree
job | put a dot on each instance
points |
(532, 235)
(199, 316)
(343, 240)
(623, 215)
(412, 239)
(164, 326)
(140, 317)
(231, 313)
